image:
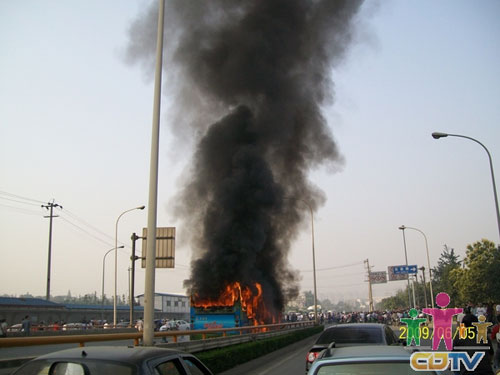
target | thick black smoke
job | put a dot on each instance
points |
(262, 67)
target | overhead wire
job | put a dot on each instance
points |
(86, 232)
(334, 267)
(21, 197)
(22, 210)
(76, 217)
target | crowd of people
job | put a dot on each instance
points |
(483, 319)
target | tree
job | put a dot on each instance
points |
(448, 261)
(478, 281)
(399, 301)
(309, 298)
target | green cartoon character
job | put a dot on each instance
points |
(413, 324)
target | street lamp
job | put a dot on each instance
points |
(428, 259)
(437, 135)
(116, 258)
(402, 227)
(103, 270)
(313, 256)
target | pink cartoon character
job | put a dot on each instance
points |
(443, 319)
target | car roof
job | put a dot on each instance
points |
(353, 333)
(367, 353)
(132, 354)
(350, 325)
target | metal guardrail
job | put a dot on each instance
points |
(137, 336)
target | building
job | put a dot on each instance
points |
(15, 309)
(172, 306)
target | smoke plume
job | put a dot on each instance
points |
(250, 77)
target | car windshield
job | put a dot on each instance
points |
(44, 367)
(348, 335)
(370, 369)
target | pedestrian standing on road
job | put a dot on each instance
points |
(26, 325)
(3, 328)
(484, 366)
(139, 325)
(495, 339)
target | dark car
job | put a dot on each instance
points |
(115, 360)
(352, 334)
(373, 360)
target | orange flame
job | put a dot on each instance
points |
(251, 301)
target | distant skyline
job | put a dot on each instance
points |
(75, 126)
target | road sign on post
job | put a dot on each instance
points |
(378, 277)
(165, 247)
(404, 270)
(393, 276)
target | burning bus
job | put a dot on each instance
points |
(236, 306)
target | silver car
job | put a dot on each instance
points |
(366, 360)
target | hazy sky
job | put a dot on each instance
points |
(75, 126)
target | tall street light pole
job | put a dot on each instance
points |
(103, 270)
(402, 227)
(149, 283)
(313, 255)
(116, 258)
(314, 266)
(437, 135)
(428, 260)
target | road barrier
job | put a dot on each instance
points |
(137, 336)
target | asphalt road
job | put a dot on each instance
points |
(290, 360)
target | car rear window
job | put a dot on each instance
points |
(370, 369)
(352, 335)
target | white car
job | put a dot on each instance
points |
(176, 325)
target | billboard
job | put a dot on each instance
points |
(165, 247)
(378, 277)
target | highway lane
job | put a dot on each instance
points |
(290, 360)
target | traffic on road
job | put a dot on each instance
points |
(341, 348)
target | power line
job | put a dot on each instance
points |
(21, 197)
(22, 210)
(333, 268)
(76, 217)
(332, 276)
(18, 201)
(340, 285)
(86, 232)
(73, 216)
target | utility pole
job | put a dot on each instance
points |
(425, 284)
(133, 258)
(370, 293)
(50, 206)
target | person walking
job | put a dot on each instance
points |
(26, 325)
(3, 328)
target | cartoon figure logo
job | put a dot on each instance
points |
(413, 324)
(443, 320)
(482, 329)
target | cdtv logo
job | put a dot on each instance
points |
(423, 361)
